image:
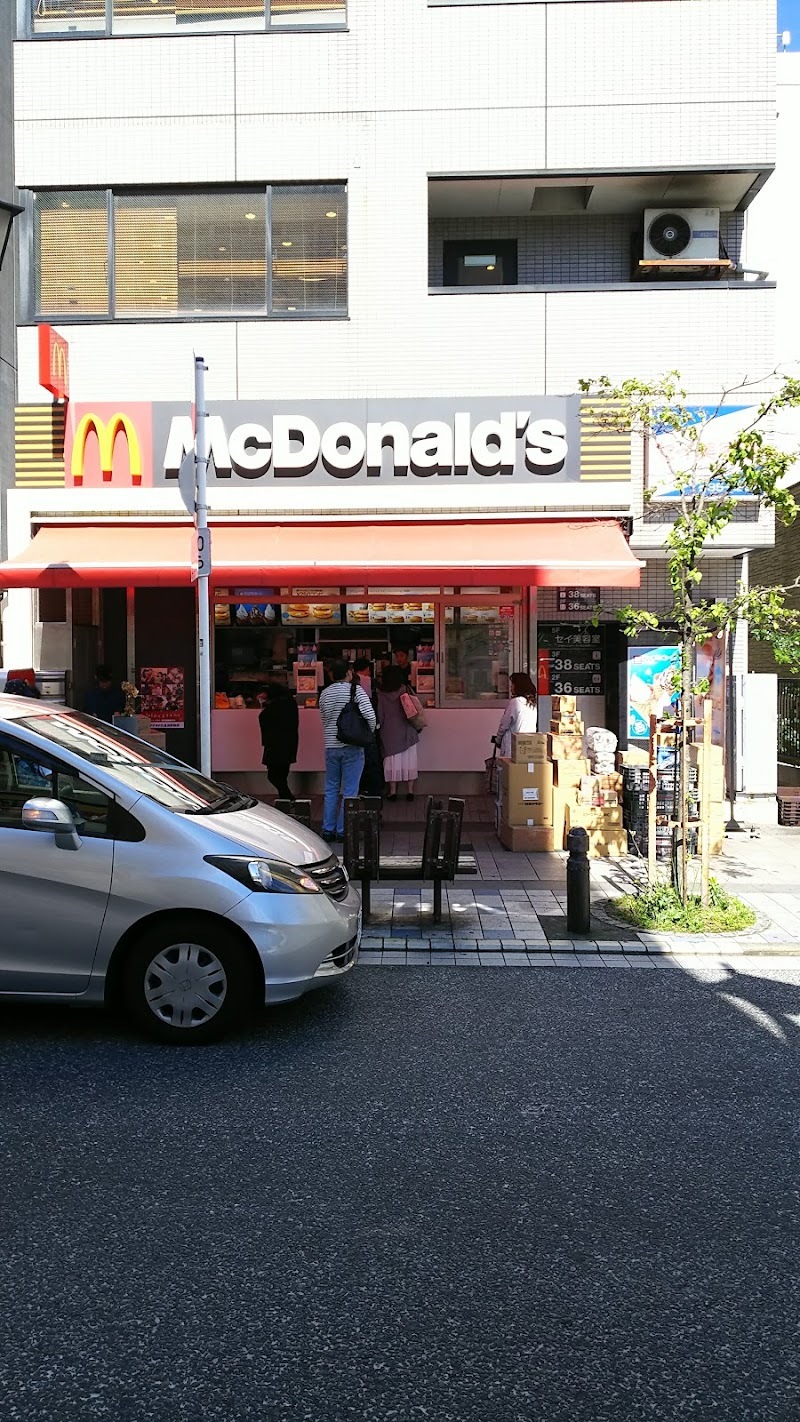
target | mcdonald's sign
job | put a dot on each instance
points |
(53, 363)
(109, 445)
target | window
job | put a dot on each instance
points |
(478, 650)
(23, 775)
(309, 249)
(234, 251)
(483, 263)
(148, 17)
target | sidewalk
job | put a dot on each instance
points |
(515, 912)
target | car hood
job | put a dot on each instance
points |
(268, 834)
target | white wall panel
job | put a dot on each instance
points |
(641, 136)
(136, 362)
(103, 79)
(103, 152)
(662, 51)
(714, 337)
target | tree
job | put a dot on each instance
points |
(706, 483)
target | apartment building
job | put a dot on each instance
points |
(399, 236)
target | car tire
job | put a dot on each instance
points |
(188, 982)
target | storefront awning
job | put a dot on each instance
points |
(562, 553)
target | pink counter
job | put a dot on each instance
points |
(454, 739)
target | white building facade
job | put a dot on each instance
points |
(383, 226)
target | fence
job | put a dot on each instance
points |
(789, 720)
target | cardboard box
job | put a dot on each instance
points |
(563, 703)
(594, 817)
(564, 797)
(526, 793)
(565, 747)
(569, 773)
(608, 798)
(633, 756)
(608, 844)
(527, 746)
(567, 727)
(524, 839)
(612, 781)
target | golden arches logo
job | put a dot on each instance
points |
(106, 431)
(59, 367)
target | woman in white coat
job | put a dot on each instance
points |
(520, 713)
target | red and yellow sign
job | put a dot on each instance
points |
(53, 363)
(109, 444)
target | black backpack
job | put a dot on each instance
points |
(351, 726)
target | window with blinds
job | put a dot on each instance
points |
(82, 17)
(309, 249)
(71, 253)
(191, 253)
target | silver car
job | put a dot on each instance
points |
(127, 876)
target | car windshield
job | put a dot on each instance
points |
(138, 765)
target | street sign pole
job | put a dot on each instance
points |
(203, 561)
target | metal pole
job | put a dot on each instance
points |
(579, 916)
(203, 558)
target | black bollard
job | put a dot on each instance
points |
(578, 905)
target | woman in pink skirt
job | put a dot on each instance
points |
(398, 737)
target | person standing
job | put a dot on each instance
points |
(344, 764)
(105, 700)
(403, 665)
(398, 737)
(520, 715)
(372, 777)
(279, 723)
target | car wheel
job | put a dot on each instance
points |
(187, 982)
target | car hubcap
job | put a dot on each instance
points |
(185, 985)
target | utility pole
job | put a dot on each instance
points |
(203, 563)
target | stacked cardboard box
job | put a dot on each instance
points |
(546, 788)
(525, 805)
(603, 824)
(716, 771)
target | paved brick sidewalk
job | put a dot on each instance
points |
(515, 912)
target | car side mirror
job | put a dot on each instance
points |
(51, 817)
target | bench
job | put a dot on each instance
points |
(441, 857)
(299, 810)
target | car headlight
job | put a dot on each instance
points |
(269, 876)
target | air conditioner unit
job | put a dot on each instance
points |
(681, 234)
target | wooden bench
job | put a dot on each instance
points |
(441, 857)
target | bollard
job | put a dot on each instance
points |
(578, 906)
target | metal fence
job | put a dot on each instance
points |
(789, 720)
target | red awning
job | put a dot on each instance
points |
(563, 553)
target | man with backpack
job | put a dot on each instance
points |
(344, 759)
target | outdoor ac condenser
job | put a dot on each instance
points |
(681, 234)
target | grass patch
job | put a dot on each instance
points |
(660, 907)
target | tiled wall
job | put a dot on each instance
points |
(720, 576)
(562, 250)
(408, 92)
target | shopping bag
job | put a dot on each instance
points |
(491, 773)
(351, 726)
(413, 711)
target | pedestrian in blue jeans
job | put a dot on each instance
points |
(344, 764)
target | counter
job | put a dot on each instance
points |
(455, 739)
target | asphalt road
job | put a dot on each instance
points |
(479, 1195)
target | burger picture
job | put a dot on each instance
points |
(298, 611)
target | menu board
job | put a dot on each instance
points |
(311, 606)
(571, 659)
(406, 613)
